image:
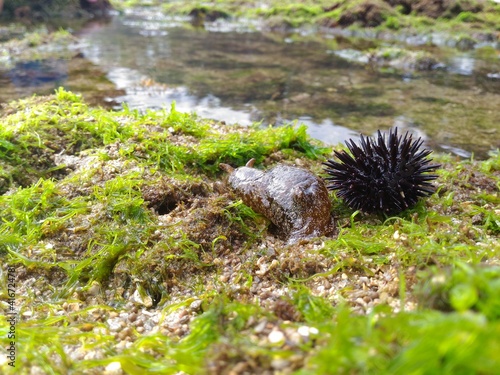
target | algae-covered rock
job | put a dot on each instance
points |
(135, 257)
(30, 11)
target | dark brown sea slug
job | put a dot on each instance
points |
(293, 199)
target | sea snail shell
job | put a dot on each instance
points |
(295, 200)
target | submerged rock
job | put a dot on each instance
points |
(293, 199)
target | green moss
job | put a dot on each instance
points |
(138, 224)
(294, 15)
(313, 309)
(466, 17)
(462, 288)
(445, 344)
(456, 15)
(36, 44)
(393, 23)
(63, 124)
(38, 130)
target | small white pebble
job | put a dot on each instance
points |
(276, 337)
(262, 270)
(303, 331)
(274, 264)
(115, 324)
(360, 301)
(195, 305)
(114, 368)
(137, 298)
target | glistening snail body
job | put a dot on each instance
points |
(293, 199)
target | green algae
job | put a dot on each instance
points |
(35, 44)
(451, 16)
(64, 124)
(139, 208)
(418, 86)
(62, 12)
(362, 85)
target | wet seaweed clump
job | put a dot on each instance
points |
(385, 176)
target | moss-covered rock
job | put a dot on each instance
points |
(447, 15)
(122, 249)
(30, 11)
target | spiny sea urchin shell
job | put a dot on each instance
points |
(382, 176)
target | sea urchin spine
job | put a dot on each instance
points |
(382, 176)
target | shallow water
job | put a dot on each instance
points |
(328, 82)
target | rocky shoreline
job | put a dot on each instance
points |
(130, 254)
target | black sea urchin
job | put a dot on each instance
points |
(382, 176)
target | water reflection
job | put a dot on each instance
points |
(462, 65)
(22, 78)
(141, 93)
(33, 77)
(337, 85)
(327, 131)
(329, 84)
(39, 72)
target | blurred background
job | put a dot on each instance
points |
(340, 67)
